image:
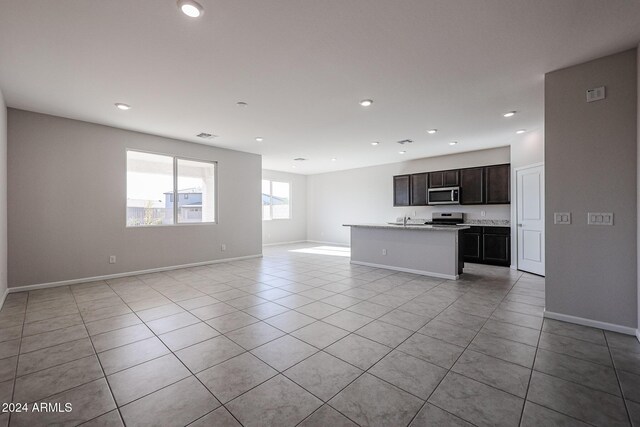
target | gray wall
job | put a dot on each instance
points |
(528, 149)
(55, 235)
(288, 230)
(590, 165)
(3, 197)
(638, 166)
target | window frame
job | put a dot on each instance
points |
(174, 195)
(271, 181)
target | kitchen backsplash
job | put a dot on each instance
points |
(504, 222)
(492, 212)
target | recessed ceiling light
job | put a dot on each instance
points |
(241, 104)
(375, 143)
(509, 114)
(432, 131)
(122, 106)
(293, 167)
(334, 159)
(191, 8)
(259, 138)
(519, 131)
(366, 102)
(401, 152)
(453, 142)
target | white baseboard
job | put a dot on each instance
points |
(125, 274)
(285, 243)
(3, 297)
(592, 323)
(407, 270)
(328, 243)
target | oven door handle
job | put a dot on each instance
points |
(452, 195)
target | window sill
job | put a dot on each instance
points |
(172, 225)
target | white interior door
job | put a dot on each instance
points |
(530, 218)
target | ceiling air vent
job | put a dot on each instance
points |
(405, 141)
(205, 135)
(299, 159)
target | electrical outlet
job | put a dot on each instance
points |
(223, 247)
(384, 252)
(483, 213)
(600, 218)
(562, 218)
(112, 259)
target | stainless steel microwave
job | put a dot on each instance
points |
(443, 196)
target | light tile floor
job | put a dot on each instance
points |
(301, 337)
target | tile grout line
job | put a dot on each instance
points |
(104, 374)
(535, 356)
(396, 349)
(615, 370)
(377, 293)
(460, 355)
(186, 367)
(15, 375)
(290, 309)
(323, 350)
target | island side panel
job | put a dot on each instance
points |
(432, 252)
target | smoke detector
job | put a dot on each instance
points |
(300, 159)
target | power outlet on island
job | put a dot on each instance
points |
(223, 247)
(384, 252)
(112, 259)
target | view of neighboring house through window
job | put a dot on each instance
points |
(196, 191)
(276, 200)
(165, 190)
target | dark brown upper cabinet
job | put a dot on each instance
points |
(401, 190)
(478, 185)
(472, 186)
(418, 186)
(444, 179)
(497, 184)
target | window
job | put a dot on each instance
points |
(276, 198)
(155, 183)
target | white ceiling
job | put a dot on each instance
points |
(302, 66)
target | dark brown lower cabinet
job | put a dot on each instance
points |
(473, 244)
(488, 245)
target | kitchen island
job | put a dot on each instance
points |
(430, 250)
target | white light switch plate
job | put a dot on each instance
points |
(562, 218)
(600, 218)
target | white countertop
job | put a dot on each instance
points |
(412, 227)
(487, 225)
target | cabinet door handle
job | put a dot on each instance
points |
(519, 225)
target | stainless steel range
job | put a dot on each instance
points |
(446, 218)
